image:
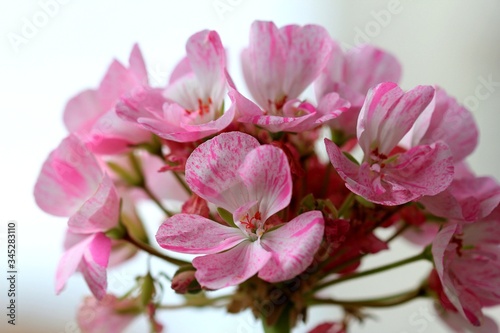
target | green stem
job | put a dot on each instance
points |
(195, 302)
(157, 201)
(371, 271)
(151, 250)
(346, 205)
(374, 302)
(182, 182)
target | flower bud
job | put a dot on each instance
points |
(184, 281)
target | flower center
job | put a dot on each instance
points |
(204, 108)
(253, 224)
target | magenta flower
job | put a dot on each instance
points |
(467, 260)
(351, 75)
(190, 108)
(252, 182)
(278, 66)
(91, 114)
(393, 179)
(73, 184)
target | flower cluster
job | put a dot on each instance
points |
(269, 204)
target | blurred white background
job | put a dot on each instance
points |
(450, 43)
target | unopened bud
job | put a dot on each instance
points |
(185, 282)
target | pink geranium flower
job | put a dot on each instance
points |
(73, 184)
(278, 66)
(387, 115)
(351, 75)
(109, 315)
(468, 198)
(446, 120)
(190, 108)
(467, 260)
(91, 114)
(252, 182)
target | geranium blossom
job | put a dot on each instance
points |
(392, 179)
(252, 182)
(91, 114)
(351, 75)
(189, 108)
(468, 199)
(467, 260)
(278, 66)
(446, 120)
(73, 184)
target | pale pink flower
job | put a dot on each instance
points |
(89, 254)
(467, 199)
(387, 115)
(109, 315)
(278, 66)
(351, 75)
(73, 184)
(252, 182)
(91, 114)
(295, 116)
(190, 108)
(446, 120)
(467, 261)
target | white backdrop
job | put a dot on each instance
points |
(453, 44)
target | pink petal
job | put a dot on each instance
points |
(446, 120)
(355, 72)
(181, 69)
(243, 106)
(82, 110)
(332, 74)
(112, 135)
(117, 81)
(367, 66)
(90, 256)
(330, 107)
(308, 51)
(100, 212)
(468, 199)
(439, 246)
(137, 65)
(94, 263)
(264, 63)
(277, 123)
(212, 169)
(388, 114)
(421, 170)
(215, 271)
(293, 246)
(69, 177)
(465, 302)
(424, 170)
(207, 58)
(141, 103)
(189, 233)
(266, 174)
(70, 261)
(102, 316)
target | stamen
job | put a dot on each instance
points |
(250, 222)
